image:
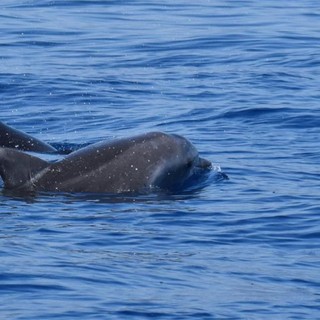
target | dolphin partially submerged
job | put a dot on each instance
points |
(137, 164)
(13, 138)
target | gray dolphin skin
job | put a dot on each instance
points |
(13, 138)
(137, 164)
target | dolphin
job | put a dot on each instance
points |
(13, 138)
(138, 164)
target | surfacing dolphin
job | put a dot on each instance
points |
(138, 164)
(13, 138)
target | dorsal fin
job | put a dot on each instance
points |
(18, 168)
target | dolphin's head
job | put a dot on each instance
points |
(189, 154)
(182, 163)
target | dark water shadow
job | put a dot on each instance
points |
(66, 148)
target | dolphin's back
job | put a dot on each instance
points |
(137, 164)
(124, 165)
(13, 138)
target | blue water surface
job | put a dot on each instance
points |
(241, 80)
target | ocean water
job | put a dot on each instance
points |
(241, 80)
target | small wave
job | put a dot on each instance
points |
(253, 113)
(301, 122)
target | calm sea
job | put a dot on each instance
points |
(241, 80)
